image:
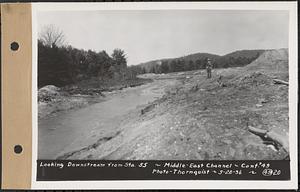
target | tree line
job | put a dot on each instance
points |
(60, 64)
(176, 65)
(66, 65)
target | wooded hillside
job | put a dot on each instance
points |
(198, 61)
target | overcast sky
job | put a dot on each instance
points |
(150, 35)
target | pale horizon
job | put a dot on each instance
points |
(159, 34)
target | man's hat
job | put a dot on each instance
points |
(208, 59)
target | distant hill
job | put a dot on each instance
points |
(200, 56)
(245, 53)
(238, 58)
(198, 60)
(150, 64)
(194, 57)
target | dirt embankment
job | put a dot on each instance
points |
(202, 118)
(209, 118)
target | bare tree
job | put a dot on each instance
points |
(52, 36)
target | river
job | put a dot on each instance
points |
(74, 129)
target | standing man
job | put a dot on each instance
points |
(209, 68)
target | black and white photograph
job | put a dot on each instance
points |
(169, 84)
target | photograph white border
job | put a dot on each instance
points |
(176, 184)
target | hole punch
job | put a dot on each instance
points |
(18, 149)
(14, 46)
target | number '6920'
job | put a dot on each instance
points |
(271, 172)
